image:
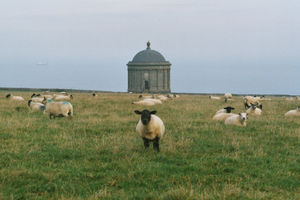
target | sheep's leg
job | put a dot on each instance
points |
(146, 142)
(156, 144)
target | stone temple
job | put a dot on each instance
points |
(149, 72)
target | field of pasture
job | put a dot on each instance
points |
(98, 154)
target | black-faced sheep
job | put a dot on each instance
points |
(237, 119)
(150, 127)
(15, 98)
(35, 106)
(227, 109)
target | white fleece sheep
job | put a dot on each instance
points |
(253, 110)
(293, 113)
(63, 98)
(214, 98)
(35, 106)
(59, 109)
(225, 110)
(14, 98)
(148, 102)
(222, 116)
(150, 127)
(248, 100)
(237, 119)
(162, 97)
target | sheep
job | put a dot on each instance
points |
(248, 100)
(59, 109)
(145, 102)
(289, 98)
(35, 106)
(147, 96)
(222, 116)
(225, 110)
(237, 119)
(253, 110)
(15, 98)
(150, 127)
(227, 96)
(214, 98)
(63, 98)
(94, 95)
(162, 97)
(293, 112)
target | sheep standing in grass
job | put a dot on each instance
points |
(37, 98)
(34, 106)
(59, 109)
(227, 96)
(15, 98)
(254, 110)
(238, 120)
(293, 112)
(150, 127)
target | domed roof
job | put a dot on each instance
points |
(148, 56)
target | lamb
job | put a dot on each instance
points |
(150, 127)
(63, 98)
(222, 116)
(238, 120)
(214, 98)
(146, 102)
(225, 110)
(253, 110)
(15, 98)
(35, 106)
(293, 112)
(59, 109)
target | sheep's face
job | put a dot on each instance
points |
(7, 96)
(253, 106)
(243, 116)
(145, 115)
(228, 109)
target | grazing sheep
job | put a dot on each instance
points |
(248, 100)
(238, 120)
(59, 109)
(15, 98)
(37, 98)
(63, 98)
(254, 110)
(222, 116)
(214, 98)
(150, 127)
(145, 102)
(293, 112)
(227, 96)
(227, 109)
(35, 106)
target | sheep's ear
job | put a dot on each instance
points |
(232, 108)
(138, 112)
(153, 112)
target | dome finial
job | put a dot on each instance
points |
(148, 45)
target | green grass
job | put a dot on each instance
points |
(98, 154)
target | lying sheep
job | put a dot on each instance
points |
(214, 98)
(293, 112)
(15, 98)
(146, 96)
(237, 119)
(59, 109)
(63, 98)
(146, 102)
(35, 106)
(227, 109)
(162, 97)
(254, 110)
(222, 116)
(150, 127)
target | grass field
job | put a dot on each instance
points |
(98, 154)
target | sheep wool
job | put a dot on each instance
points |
(14, 98)
(253, 110)
(222, 116)
(145, 102)
(237, 119)
(293, 113)
(36, 106)
(59, 109)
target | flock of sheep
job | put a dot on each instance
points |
(150, 127)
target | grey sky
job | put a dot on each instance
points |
(249, 46)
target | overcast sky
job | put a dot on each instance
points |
(238, 46)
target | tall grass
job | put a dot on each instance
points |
(98, 154)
